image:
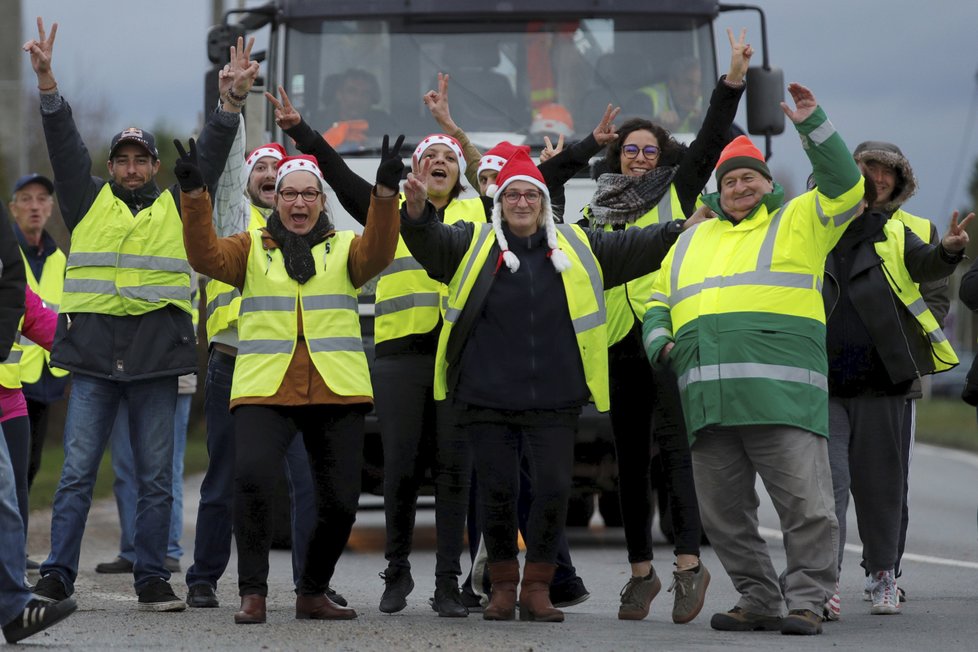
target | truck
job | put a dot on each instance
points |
(519, 71)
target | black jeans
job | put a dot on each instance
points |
(549, 450)
(333, 435)
(38, 413)
(639, 396)
(418, 434)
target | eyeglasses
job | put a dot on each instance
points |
(513, 197)
(290, 195)
(649, 151)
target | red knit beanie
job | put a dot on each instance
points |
(741, 153)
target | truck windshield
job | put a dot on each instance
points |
(510, 79)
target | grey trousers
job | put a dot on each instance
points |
(866, 453)
(794, 466)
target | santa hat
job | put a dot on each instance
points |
(303, 163)
(741, 153)
(520, 168)
(441, 139)
(496, 157)
(552, 119)
(274, 150)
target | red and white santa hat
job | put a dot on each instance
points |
(302, 163)
(520, 168)
(441, 139)
(496, 157)
(274, 150)
(552, 119)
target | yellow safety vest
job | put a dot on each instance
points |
(268, 322)
(35, 358)
(223, 300)
(661, 100)
(891, 251)
(626, 303)
(122, 264)
(408, 301)
(583, 285)
(10, 368)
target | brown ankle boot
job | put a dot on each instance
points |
(252, 610)
(535, 594)
(504, 575)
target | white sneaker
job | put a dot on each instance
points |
(886, 597)
(833, 608)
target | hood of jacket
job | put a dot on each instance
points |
(891, 155)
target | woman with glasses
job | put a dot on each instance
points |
(521, 350)
(300, 364)
(654, 179)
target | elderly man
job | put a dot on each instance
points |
(124, 328)
(737, 312)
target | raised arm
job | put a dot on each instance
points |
(231, 205)
(352, 191)
(437, 103)
(562, 166)
(701, 158)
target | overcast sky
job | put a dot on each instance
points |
(883, 70)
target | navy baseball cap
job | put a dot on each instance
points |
(137, 136)
(34, 177)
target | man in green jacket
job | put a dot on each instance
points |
(737, 312)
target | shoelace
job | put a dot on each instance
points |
(679, 586)
(632, 581)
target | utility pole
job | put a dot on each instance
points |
(13, 153)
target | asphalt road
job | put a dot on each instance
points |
(940, 576)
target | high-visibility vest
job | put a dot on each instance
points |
(661, 100)
(268, 322)
(626, 303)
(35, 358)
(891, 251)
(408, 301)
(223, 300)
(122, 264)
(583, 285)
(10, 368)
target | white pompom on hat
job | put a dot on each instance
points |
(302, 163)
(441, 139)
(520, 168)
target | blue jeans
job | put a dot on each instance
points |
(212, 545)
(13, 594)
(124, 486)
(92, 409)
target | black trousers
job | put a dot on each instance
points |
(38, 414)
(333, 436)
(419, 433)
(639, 396)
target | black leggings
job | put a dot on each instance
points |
(333, 435)
(638, 395)
(17, 433)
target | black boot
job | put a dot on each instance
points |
(448, 600)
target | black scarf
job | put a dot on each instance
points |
(620, 199)
(297, 249)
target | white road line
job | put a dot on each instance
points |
(947, 453)
(776, 535)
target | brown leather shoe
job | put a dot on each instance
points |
(252, 610)
(503, 575)
(535, 593)
(319, 607)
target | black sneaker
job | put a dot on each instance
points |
(738, 620)
(398, 585)
(158, 595)
(32, 565)
(115, 567)
(448, 601)
(50, 589)
(202, 596)
(335, 597)
(568, 593)
(37, 616)
(172, 564)
(470, 600)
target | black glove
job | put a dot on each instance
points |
(391, 166)
(186, 169)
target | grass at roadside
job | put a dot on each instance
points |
(947, 422)
(46, 481)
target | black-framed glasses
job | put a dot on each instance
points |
(649, 151)
(513, 197)
(291, 195)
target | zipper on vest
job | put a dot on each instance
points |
(890, 276)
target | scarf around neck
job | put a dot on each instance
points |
(297, 249)
(621, 199)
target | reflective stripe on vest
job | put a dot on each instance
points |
(10, 368)
(408, 301)
(891, 251)
(268, 323)
(35, 358)
(122, 264)
(223, 300)
(583, 286)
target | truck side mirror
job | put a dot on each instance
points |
(219, 39)
(765, 91)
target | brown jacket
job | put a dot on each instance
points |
(226, 259)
